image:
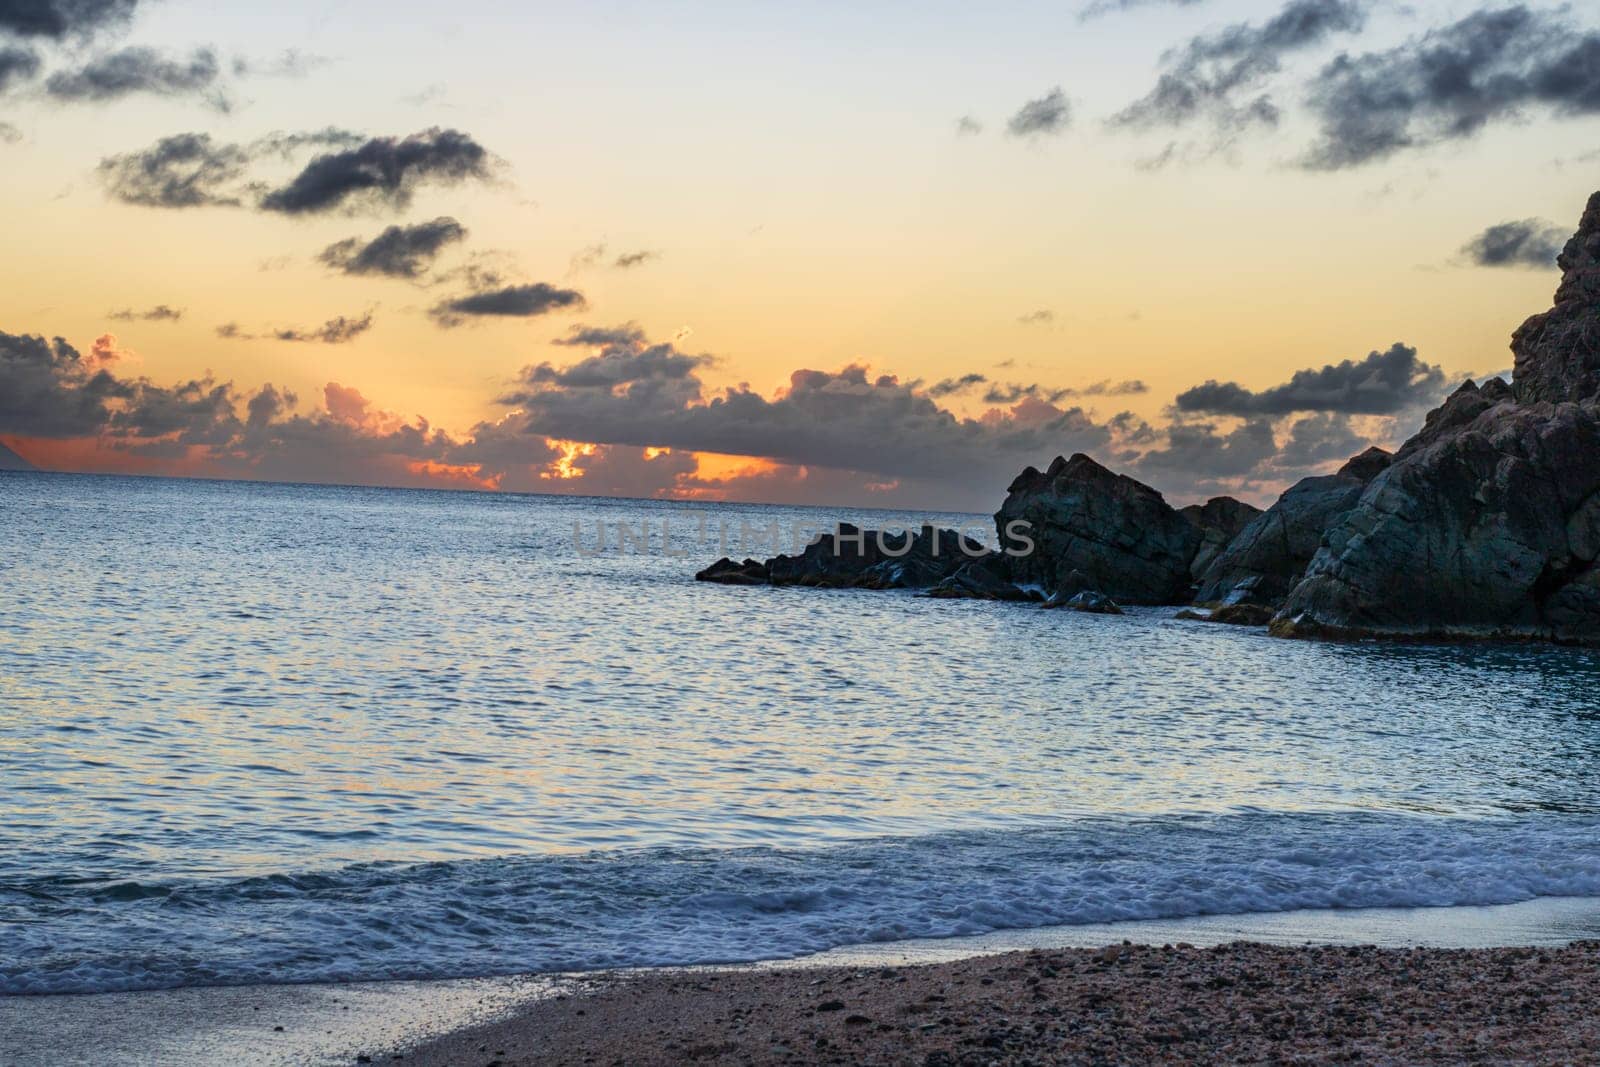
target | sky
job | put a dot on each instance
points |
(863, 254)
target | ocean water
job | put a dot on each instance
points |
(290, 733)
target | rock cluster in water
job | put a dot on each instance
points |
(1486, 524)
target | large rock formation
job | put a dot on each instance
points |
(1219, 520)
(1487, 524)
(1558, 351)
(852, 558)
(1263, 563)
(1098, 530)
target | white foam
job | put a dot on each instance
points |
(684, 906)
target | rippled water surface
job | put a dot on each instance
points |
(285, 732)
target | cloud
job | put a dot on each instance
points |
(138, 70)
(159, 313)
(1216, 77)
(397, 252)
(336, 331)
(1011, 392)
(9, 134)
(517, 301)
(193, 170)
(1384, 383)
(628, 260)
(952, 386)
(290, 63)
(17, 65)
(968, 126)
(385, 171)
(1048, 115)
(1528, 243)
(60, 19)
(1099, 8)
(1450, 83)
(628, 415)
(1041, 317)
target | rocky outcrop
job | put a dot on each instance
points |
(1558, 351)
(852, 558)
(1487, 524)
(1219, 520)
(1271, 554)
(1119, 535)
(1487, 532)
(1088, 601)
(988, 578)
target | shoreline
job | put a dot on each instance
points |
(338, 1023)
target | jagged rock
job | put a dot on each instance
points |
(726, 571)
(1270, 555)
(1219, 521)
(982, 579)
(852, 558)
(1487, 525)
(1088, 601)
(1119, 533)
(1558, 351)
(1485, 532)
(1232, 615)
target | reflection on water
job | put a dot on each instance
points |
(232, 678)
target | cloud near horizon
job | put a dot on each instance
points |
(635, 417)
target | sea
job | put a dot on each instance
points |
(287, 733)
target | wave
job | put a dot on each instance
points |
(679, 906)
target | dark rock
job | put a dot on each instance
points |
(1368, 465)
(1487, 525)
(1270, 555)
(1241, 615)
(1486, 532)
(1219, 521)
(1087, 601)
(988, 578)
(1119, 533)
(852, 558)
(726, 571)
(1232, 615)
(1558, 351)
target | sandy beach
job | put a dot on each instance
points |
(1235, 1003)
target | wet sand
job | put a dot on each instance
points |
(1134, 1004)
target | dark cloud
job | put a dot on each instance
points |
(58, 19)
(1384, 383)
(17, 65)
(336, 331)
(952, 386)
(518, 301)
(1197, 451)
(230, 331)
(47, 389)
(1049, 114)
(1216, 77)
(159, 313)
(1099, 8)
(138, 70)
(638, 394)
(385, 171)
(1011, 392)
(397, 252)
(1318, 439)
(1528, 243)
(1450, 83)
(194, 170)
(627, 260)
